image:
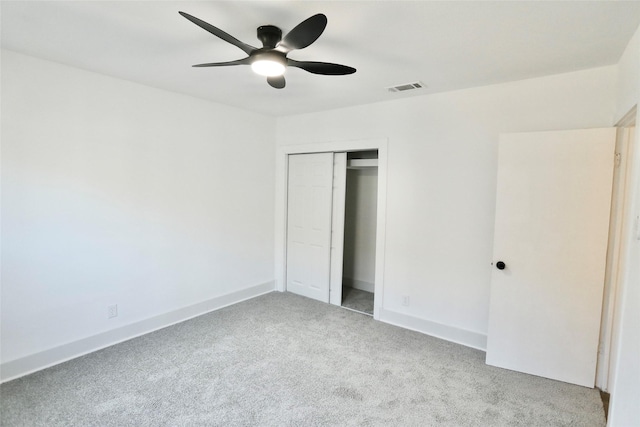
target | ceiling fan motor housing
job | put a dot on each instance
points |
(269, 35)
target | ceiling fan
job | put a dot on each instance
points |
(271, 59)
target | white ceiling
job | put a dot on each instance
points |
(447, 45)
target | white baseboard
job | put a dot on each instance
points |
(449, 333)
(38, 361)
(358, 284)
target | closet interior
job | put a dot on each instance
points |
(359, 255)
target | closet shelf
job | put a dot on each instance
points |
(362, 163)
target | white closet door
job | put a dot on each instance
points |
(309, 224)
(337, 226)
(552, 221)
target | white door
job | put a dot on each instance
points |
(309, 224)
(552, 219)
(337, 226)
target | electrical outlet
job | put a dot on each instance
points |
(112, 311)
(405, 300)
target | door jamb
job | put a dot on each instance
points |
(282, 165)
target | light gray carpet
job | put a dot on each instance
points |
(284, 360)
(357, 300)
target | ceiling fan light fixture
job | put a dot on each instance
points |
(268, 64)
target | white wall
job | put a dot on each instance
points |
(625, 393)
(628, 77)
(117, 193)
(360, 228)
(442, 153)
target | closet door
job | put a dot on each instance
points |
(309, 224)
(337, 226)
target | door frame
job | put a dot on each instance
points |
(282, 167)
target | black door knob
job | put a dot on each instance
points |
(500, 265)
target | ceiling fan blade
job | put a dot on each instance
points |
(325, 68)
(219, 33)
(276, 81)
(224, 64)
(303, 34)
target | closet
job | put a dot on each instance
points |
(331, 227)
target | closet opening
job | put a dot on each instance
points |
(360, 221)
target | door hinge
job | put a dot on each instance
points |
(618, 160)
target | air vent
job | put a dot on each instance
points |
(405, 87)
